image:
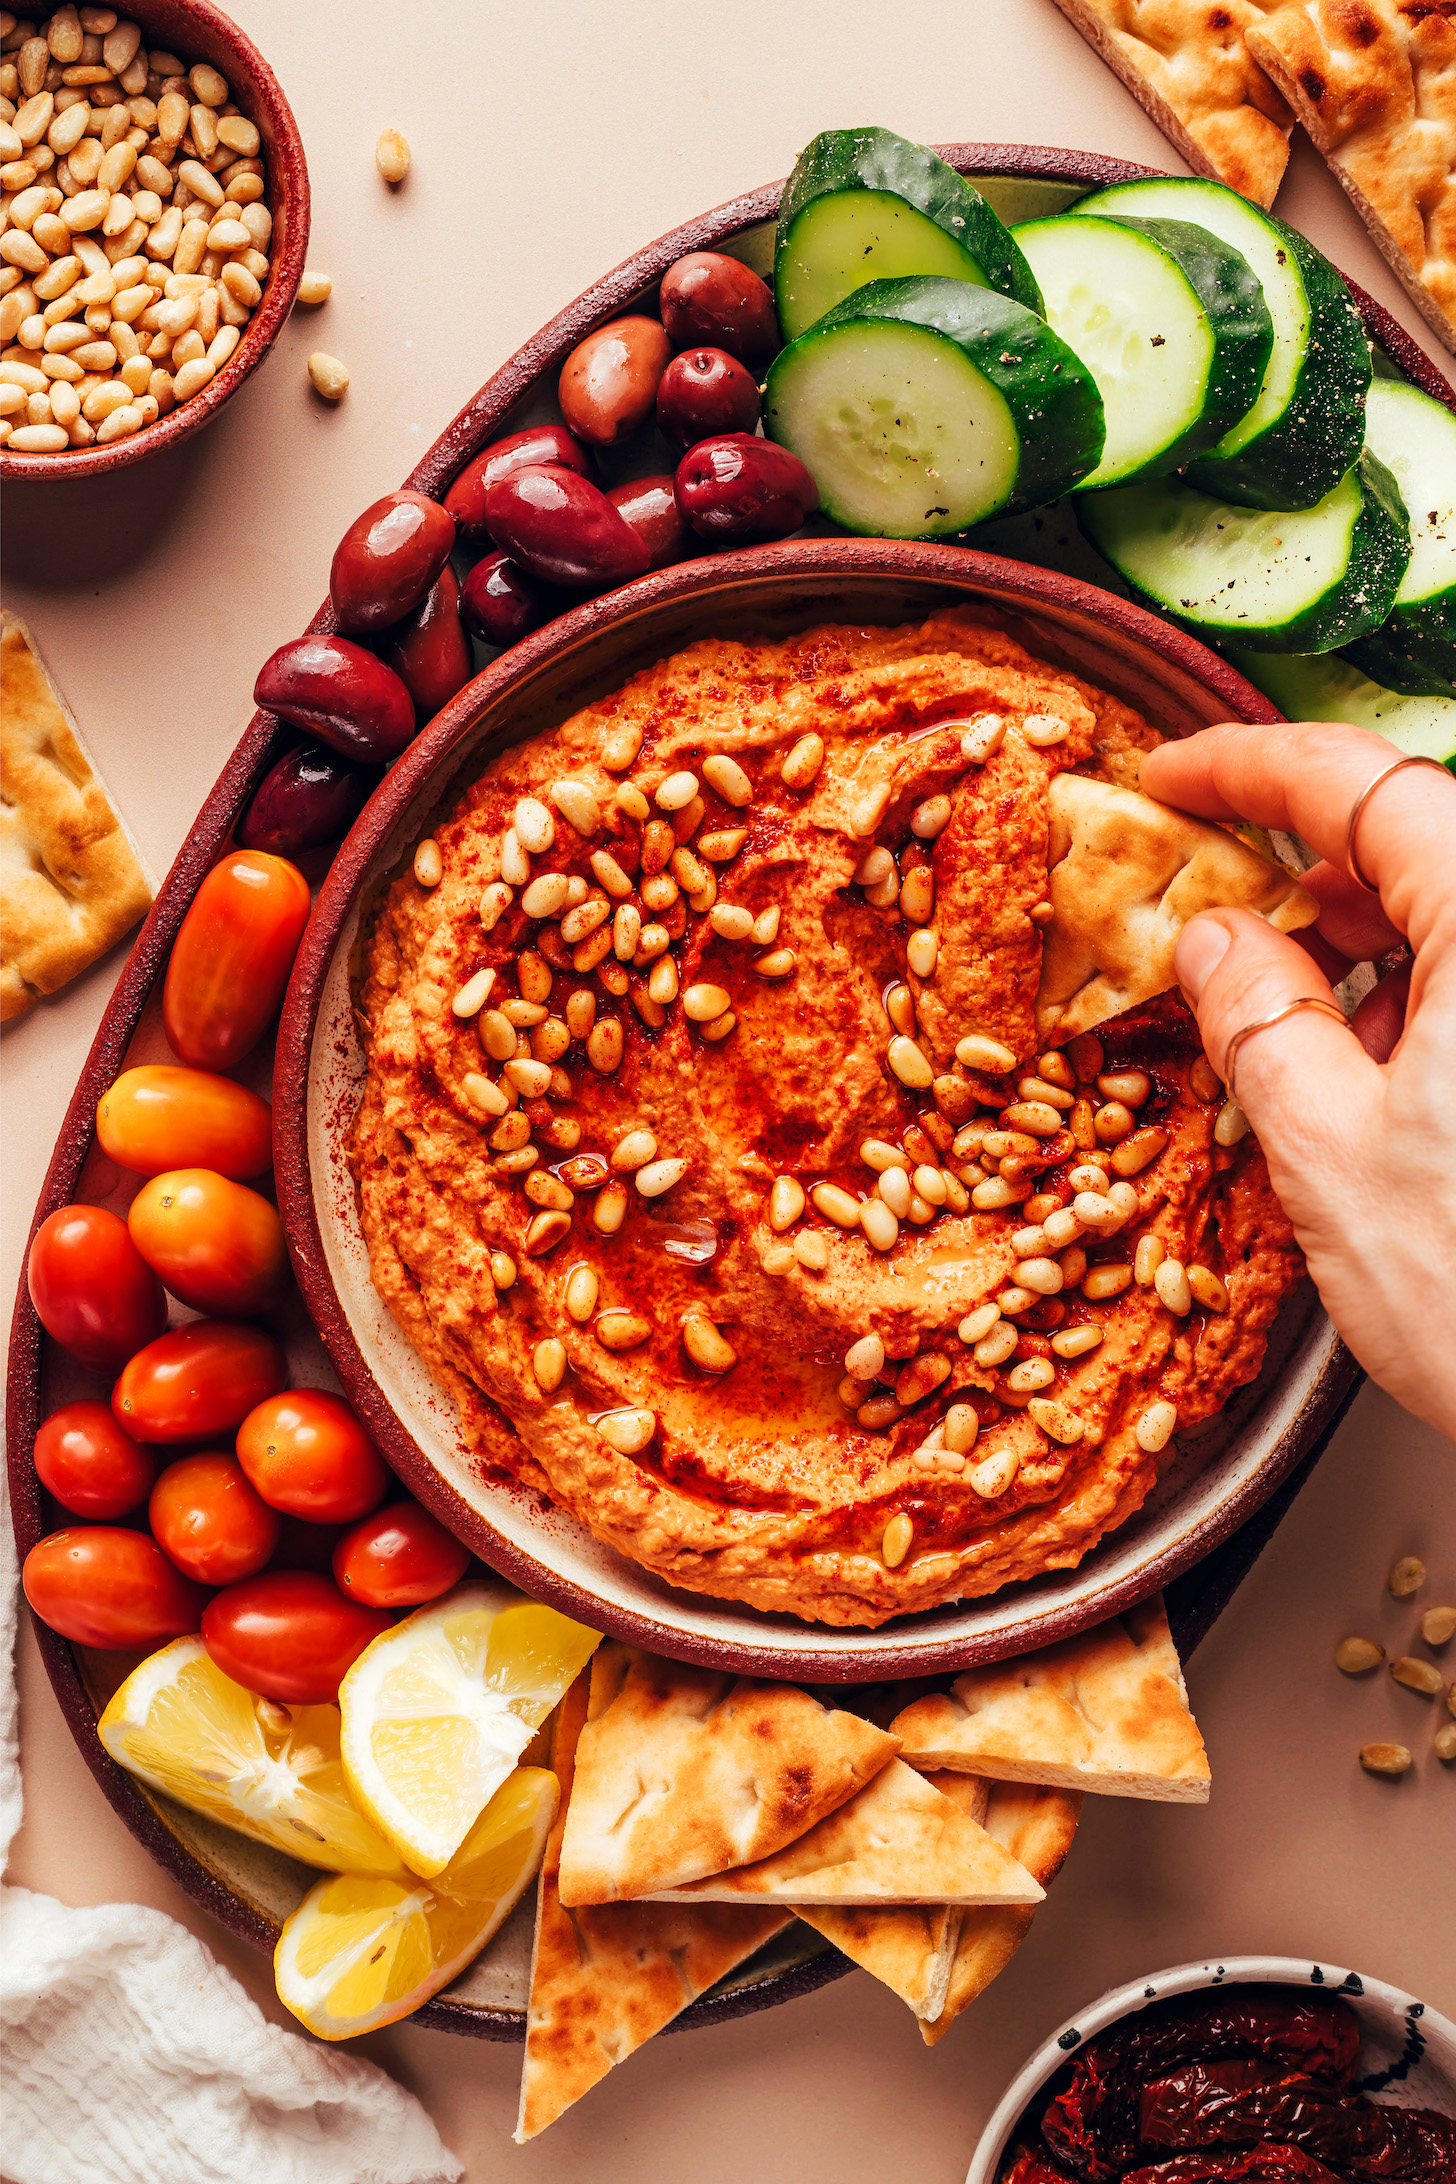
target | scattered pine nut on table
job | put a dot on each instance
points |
(330, 377)
(315, 288)
(392, 155)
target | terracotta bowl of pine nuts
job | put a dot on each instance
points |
(155, 215)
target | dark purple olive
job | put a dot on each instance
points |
(736, 490)
(501, 602)
(312, 796)
(537, 444)
(563, 529)
(430, 651)
(387, 560)
(704, 391)
(709, 301)
(650, 506)
(340, 693)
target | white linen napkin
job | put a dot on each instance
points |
(131, 2055)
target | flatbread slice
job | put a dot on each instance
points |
(1107, 1711)
(686, 1773)
(1126, 876)
(1188, 64)
(72, 880)
(1375, 86)
(899, 1842)
(1037, 1826)
(603, 1981)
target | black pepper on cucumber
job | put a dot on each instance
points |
(1415, 438)
(924, 406)
(865, 205)
(1303, 433)
(1302, 580)
(1170, 322)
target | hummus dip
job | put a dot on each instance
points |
(707, 1157)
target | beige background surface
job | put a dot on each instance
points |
(549, 142)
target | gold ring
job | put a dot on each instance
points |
(1263, 1023)
(1352, 862)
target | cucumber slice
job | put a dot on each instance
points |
(1305, 430)
(1327, 687)
(1415, 438)
(1171, 324)
(924, 406)
(1306, 580)
(864, 205)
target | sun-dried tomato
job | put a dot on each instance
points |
(1267, 2163)
(1236, 2103)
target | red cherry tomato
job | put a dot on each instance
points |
(306, 1452)
(230, 961)
(92, 1289)
(207, 1518)
(159, 1117)
(197, 1382)
(100, 1585)
(290, 1635)
(216, 1244)
(399, 1557)
(93, 1468)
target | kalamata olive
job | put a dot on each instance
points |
(735, 489)
(704, 391)
(501, 601)
(430, 651)
(387, 560)
(563, 529)
(709, 301)
(341, 693)
(537, 444)
(609, 382)
(650, 506)
(310, 797)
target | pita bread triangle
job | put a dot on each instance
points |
(603, 1981)
(686, 1773)
(899, 1842)
(1107, 1711)
(1125, 876)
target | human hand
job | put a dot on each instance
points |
(1359, 1134)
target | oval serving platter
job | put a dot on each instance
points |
(247, 1888)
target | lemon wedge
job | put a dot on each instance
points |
(437, 1712)
(362, 1951)
(270, 1771)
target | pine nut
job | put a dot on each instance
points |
(1134, 1153)
(931, 818)
(330, 378)
(1232, 1123)
(706, 1345)
(1204, 1081)
(1042, 1275)
(1386, 1759)
(662, 981)
(897, 1542)
(917, 894)
(803, 762)
(1102, 1282)
(38, 439)
(315, 288)
(1055, 1421)
(928, 1182)
(1443, 1744)
(1406, 1577)
(1076, 1341)
(982, 738)
(1154, 1429)
(660, 1176)
(392, 156)
(893, 1189)
(1034, 1117)
(909, 1064)
(1416, 1675)
(502, 1269)
(726, 776)
(1043, 729)
(119, 424)
(979, 1323)
(1032, 1373)
(810, 1249)
(836, 1205)
(996, 1346)
(1357, 1656)
(548, 1363)
(1147, 1258)
(196, 374)
(1438, 1626)
(1174, 1291)
(921, 952)
(994, 1475)
(900, 1008)
(1208, 1290)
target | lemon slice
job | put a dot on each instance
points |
(437, 1711)
(270, 1771)
(362, 1951)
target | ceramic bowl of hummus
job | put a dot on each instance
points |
(750, 1171)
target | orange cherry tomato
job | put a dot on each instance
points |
(230, 961)
(197, 1382)
(306, 1452)
(207, 1518)
(290, 1635)
(90, 1464)
(159, 1117)
(399, 1557)
(92, 1290)
(101, 1585)
(216, 1244)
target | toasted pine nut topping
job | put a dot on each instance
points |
(1232, 1124)
(987, 1055)
(659, 1177)
(502, 1269)
(471, 998)
(930, 818)
(983, 736)
(706, 1346)
(1438, 1626)
(627, 1431)
(1076, 1341)
(922, 951)
(1042, 729)
(909, 1063)
(897, 1542)
(836, 1205)
(803, 762)
(997, 1345)
(995, 1474)
(726, 776)
(1101, 1282)
(1174, 1291)
(1154, 1430)
(785, 1203)
(865, 1359)
(810, 1249)
(676, 792)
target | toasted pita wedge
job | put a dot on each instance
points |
(1107, 1711)
(603, 1981)
(686, 1773)
(1126, 876)
(1036, 1825)
(900, 1841)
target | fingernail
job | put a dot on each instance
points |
(1202, 946)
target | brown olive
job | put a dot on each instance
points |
(340, 693)
(735, 490)
(387, 560)
(609, 382)
(537, 444)
(564, 530)
(704, 391)
(709, 301)
(429, 650)
(650, 506)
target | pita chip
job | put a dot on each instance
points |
(1037, 1826)
(1107, 1711)
(899, 1842)
(685, 1773)
(604, 1980)
(1125, 877)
